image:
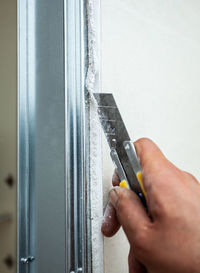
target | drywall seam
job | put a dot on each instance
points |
(93, 85)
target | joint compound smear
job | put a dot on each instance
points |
(92, 85)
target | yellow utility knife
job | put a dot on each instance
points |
(123, 151)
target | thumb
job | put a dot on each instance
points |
(150, 156)
(130, 212)
(155, 166)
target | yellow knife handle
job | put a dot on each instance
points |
(139, 178)
(124, 184)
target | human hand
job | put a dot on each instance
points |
(167, 241)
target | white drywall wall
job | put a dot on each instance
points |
(151, 62)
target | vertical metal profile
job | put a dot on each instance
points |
(43, 82)
(26, 108)
(77, 231)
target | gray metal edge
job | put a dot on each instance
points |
(75, 34)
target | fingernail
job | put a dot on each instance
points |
(108, 212)
(114, 177)
(113, 197)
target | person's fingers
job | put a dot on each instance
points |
(115, 179)
(130, 213)
(110, 224)
(134, 265)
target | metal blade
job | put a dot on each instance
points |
(117, 135)
(111, 120)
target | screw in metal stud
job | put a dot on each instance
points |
(27, 260)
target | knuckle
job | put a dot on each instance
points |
(189, 175)
(126, 199)
(141, 240)
(121, 204)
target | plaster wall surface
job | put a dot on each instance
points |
(151, 63)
